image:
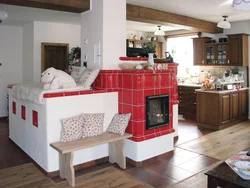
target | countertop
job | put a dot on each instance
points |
(220, 92)
(190, 85)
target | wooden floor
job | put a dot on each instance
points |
(221, 145)
(28, 176)
(206, 150)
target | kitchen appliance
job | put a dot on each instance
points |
(169, 57)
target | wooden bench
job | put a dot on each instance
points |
(67, 149)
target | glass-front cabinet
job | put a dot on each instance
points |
(222, 54)
(216, 54)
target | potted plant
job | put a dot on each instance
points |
(235, 73)
(149, 47)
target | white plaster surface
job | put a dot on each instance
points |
(139, 151)
(35, 141)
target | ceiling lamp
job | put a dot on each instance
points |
(3, 16)
(224, 24)
(241, 4)
(159, 32)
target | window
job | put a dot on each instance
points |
(181, 48)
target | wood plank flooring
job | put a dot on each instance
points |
(28, 176)
(222, 144)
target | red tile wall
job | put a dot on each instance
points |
(23, 112)
(133, 87)
(14, 107)
(35, 118)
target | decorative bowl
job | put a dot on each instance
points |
(243, 167)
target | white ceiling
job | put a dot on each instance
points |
(209, 10)
(18, 15)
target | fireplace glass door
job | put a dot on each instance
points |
(157, 108)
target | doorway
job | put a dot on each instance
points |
(55, 55)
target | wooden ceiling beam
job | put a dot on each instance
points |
(76, 6)
(153, 16)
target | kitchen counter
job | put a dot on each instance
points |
(189, 85)
(220, 92)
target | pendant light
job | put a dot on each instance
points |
(224, 24)
(159, 32)
(241, 4)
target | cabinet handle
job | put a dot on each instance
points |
(195, 103)
(180, 92)
(194, 92)
(202, 62)
(228, 61)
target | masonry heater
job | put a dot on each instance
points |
(157, 109)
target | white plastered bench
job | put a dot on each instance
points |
(67, 149)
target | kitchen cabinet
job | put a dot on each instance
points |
(138, 44)
(187, 101)
(199, 50)
(219, 109)
(231, 53)
(216, 54)
(238, 50)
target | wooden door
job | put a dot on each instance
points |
(234, 106)
(225, 108)
(55, 55)
(243, 104)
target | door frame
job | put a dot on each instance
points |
(44, 44)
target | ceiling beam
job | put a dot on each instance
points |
(76, 6)
(153, 16)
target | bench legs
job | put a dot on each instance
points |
(66, 168)
(116, 153)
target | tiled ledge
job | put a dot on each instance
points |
(133, 58)
(72, 93)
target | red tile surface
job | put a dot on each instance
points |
(35, 118)
(134, 86)
(14, 107)
(23, 112)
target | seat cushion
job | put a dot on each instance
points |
(76, 73)
(72, 128)
(93, 124)
(88, 77)
(119, 123)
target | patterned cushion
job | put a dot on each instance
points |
(88, 77)
(77, 72)
(119, 123)
(72, 128)
(93, 124)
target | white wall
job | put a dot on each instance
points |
(28, 52)
(11, 59)
(54, 33)
(106, 30)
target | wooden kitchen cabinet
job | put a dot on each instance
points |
(222, 109)
(216, 54)
(199, 50)
(238, 50)
(187, 101)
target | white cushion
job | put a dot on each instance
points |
(119, 123)
(77, 72)
(93, 124)
(72, 128)
(88, 77)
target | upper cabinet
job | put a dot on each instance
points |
(238, 49)
(199, 50)
(216, 54)
(231, 53)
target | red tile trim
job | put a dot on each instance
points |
(23, 112)
(11, 85)
(13, 107)
(72, 93)
(133, 59)
(35, 118)
(52, 95)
